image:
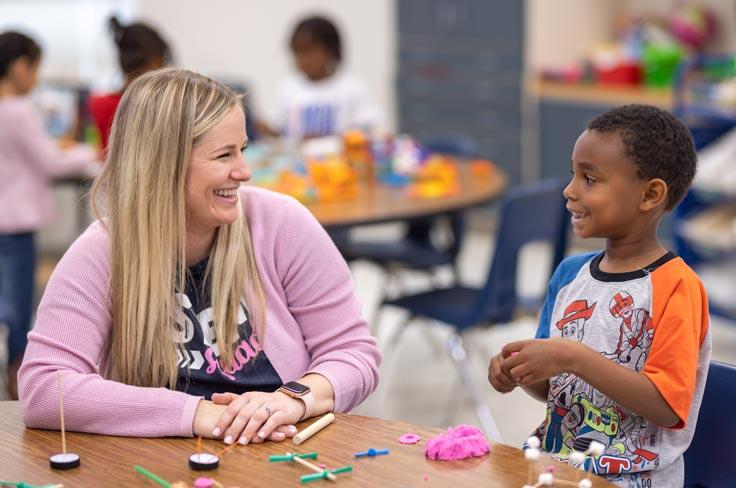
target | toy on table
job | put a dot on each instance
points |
(320, 424)
(459, 442)
(64, 460)
(577, 458)
(203, 461)
(198, 483)
(320, 473)
(23, 484)
(372, 453)
(409, 439)
(436, 178)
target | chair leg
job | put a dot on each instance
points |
(459, 356)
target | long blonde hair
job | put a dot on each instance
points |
(161, 116)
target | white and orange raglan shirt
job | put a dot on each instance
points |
(654, 321)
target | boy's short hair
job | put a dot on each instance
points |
(659, 145)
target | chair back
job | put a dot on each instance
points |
(529, 213)
(708, 459)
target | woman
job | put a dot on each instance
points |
(127, 317)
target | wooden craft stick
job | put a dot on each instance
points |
(199, 444)
(314, 428)
(61, 412)
(313, 467)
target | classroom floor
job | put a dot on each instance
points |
(418, 381)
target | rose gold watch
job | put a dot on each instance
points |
(300, 392)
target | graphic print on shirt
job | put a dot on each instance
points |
(318, 120)
(563, 387)
(201, 368)
(578, 414)
(636, 331)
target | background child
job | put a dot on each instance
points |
(28, 161)
(140, 49)
(322, 99)
(623, 344)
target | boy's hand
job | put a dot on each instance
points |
(535, 360)
(498, 377)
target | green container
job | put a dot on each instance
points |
(660, 64)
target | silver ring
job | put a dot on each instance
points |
(267, 409)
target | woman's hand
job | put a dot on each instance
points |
(256, 416)
(208, 413)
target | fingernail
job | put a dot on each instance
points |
(292, 428)
(262, 435)
(229, 439)
(216, 432)
(243, 440)
(279, 436)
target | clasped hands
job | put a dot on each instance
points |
(251, 417)
(523, 363)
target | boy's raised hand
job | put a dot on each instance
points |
(498, 377)
(534, 360)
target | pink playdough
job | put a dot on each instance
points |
(459, 442)
(409, 439)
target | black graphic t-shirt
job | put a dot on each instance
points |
(201, 371)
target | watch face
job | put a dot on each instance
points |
(296, 388)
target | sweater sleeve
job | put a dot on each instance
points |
(71, 331)
(320, 295)
(42, 152)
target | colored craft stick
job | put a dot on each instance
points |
(324, 474)
(314, 468)
(372, 453)
(290, 457)
(153, 477)
(314, 428)
(23, 484)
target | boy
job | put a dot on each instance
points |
(623, 344)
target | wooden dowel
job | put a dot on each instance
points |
(61, 412)
(314, 428)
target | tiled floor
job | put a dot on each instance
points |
(419, 383)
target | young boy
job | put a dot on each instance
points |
(623, 344)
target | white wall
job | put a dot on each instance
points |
(248, 41)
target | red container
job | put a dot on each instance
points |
(620, 74)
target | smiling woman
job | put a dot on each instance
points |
(231, 298)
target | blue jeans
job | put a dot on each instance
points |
(17, 283)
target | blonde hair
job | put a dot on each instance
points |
(161, 116)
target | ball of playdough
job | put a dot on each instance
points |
(459, 442)
(531, 454)
(546, 479)
(533, 442)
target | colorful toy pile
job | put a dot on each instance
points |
(332, 169)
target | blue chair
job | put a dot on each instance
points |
(528, 214)
(708, 459)
(416, 249)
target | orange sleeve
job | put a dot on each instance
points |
(680, 322)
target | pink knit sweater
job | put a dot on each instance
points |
(313, 324)
(29, 160)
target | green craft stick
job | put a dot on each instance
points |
(312, 477)
(276, 458)
(148, 474)
(323, 475)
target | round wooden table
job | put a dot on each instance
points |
(378, 202)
